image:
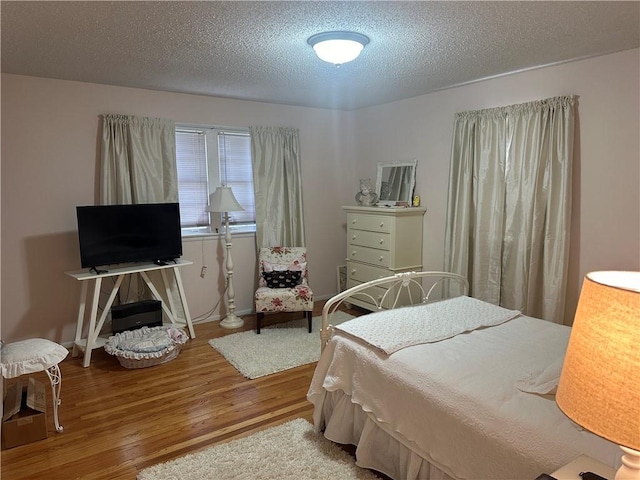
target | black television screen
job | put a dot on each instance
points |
(112, 234)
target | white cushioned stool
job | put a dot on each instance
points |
(35, 355)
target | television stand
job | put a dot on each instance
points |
(92, 341)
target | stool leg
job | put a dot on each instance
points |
(55, 377)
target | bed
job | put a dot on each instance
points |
(433, 384)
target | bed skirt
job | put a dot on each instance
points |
(346, 423)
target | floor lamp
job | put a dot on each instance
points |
(223, 201)
(599, 387)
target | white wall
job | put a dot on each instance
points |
(606, 191)
(49, 163)
(50, 151)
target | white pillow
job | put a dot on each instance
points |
(154, 341)
(29, 356)
(278, 267)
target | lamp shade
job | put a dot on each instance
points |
(222, 200)
(599, 386)
(338, 47)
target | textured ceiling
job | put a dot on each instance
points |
(258, 50)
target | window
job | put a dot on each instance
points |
(208, 157)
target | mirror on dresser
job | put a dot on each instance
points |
(395, 182)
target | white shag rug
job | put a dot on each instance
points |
(291, 451)
(277, 348)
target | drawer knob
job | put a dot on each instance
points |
(353, 254)
(353, 222)
(381, 258)
(353, 271)
(381, 241)
(353, 237)
(381, 224)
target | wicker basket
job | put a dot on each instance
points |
(166, 345)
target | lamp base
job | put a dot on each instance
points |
(630, 468)
(231, 321)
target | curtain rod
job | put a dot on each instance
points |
(196, 126)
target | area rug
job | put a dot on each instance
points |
(277, 348)
(291, 451)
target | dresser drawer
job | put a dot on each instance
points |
(370, 298)
(374, 223)
(364, 238)
(380, 242)
(365, 273)
(381, 258)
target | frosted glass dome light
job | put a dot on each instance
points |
(338, 47)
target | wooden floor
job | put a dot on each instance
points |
(118, 421)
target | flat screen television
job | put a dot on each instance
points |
(113, 234)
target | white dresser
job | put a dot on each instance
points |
(382, 241)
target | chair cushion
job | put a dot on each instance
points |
(282, 279)
(297, 299)
(29, 356)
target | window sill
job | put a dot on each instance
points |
(191, 234)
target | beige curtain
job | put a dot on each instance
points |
(138, 165)
(509, 204)
(138, 161)
(277, 181)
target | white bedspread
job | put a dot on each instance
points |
(393, 330)
(456, 404)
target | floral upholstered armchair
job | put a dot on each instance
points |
(283, 283)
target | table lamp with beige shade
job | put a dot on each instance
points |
(599, 387)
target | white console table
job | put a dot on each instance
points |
(92, 340)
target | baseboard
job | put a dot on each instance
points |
(214, 318)
(325, 297)
(240, 313)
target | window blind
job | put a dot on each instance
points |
(193, 185)
(234, 151)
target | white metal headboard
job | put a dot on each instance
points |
(398, 290)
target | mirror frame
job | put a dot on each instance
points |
(381, 171)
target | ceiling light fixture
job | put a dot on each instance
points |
(338, 47)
